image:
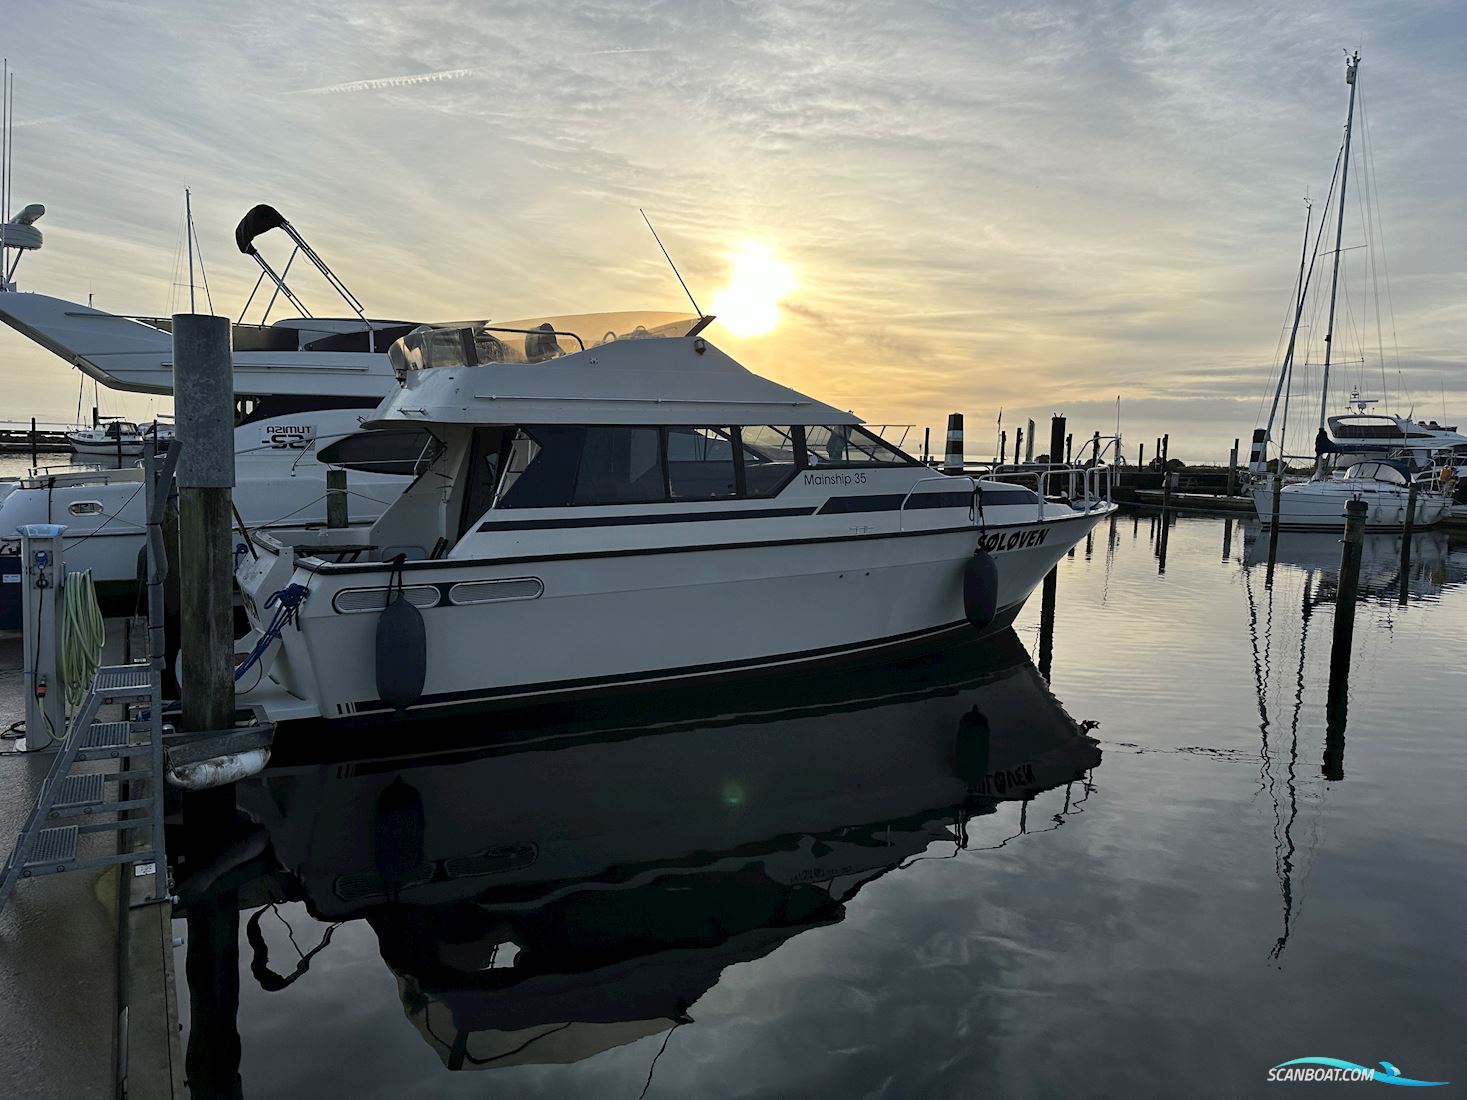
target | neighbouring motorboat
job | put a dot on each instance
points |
(1379, 475)
(615, 502)
(301, 385)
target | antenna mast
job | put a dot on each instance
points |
(670, 264)
(1352, 67)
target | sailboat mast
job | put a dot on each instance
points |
(1302, 286)
(1352, 66)
(188, 229)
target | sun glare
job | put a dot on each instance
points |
(757, 281)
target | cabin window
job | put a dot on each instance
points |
(540, 471)
(620, 466)
(406, 451)
(771, 456)
(700, 463)
(851, 445)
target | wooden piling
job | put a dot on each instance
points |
(336, 504)
(1406, 532)
(1166, 475)
(1056, 440)
(952, 459)
(1233, 470)
(35, 447)
(203, 375)
(1018, 443)
(1273, 530)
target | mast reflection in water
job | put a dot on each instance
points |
(582, 883)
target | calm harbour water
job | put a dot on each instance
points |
(943, 879)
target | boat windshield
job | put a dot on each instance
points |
(1376, 471)
(533, 340)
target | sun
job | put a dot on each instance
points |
(757, 282)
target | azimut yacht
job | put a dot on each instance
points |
(301, 385)
(613, 501)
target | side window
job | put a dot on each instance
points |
(851, 445)
(542, 467)
(770, 457)
(620, 466)
(700, 463)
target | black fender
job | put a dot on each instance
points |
(980, 589)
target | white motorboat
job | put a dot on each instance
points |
(112, 436)
(1365, 435)
(611, 511)
(280, 475)
(1382, 481)
(301, 385)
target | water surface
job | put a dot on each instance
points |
(1168, 868)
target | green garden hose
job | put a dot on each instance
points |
(83, 635)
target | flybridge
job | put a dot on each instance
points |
(533, 341)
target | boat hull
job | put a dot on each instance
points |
(629, 620)
(1320, 506)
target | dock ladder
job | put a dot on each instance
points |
(74, 802)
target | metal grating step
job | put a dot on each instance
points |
(108, 739)
(116, 680)
(78, 791)
(54, 846)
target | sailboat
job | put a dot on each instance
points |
(1382, 482)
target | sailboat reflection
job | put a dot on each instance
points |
(552, 898)
(1436, 564)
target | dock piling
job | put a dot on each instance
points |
(952, 461)
(35, 446)
(1233, 469)
(1406, 533)
(203, 375)
(1018, 442)
(336, 502)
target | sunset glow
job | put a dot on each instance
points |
(758, 281)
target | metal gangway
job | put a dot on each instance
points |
(92, 784)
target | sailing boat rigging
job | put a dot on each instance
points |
(1383, 483)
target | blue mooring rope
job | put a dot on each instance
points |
(287, 604)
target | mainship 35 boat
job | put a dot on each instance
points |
(1343, 471)
(613, 501)
(300, 386)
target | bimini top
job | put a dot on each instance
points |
(627, 368)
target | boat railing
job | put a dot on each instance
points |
(943, 479)
(1084, 489)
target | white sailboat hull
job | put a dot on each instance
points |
(1320, 506)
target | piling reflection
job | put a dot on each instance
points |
(555, 896)
(1433, 565)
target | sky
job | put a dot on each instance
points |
(949, 206)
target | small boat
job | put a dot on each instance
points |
(613, 503)
(1382, 478)
(110, 436)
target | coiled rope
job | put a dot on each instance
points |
(287, 603)
(83, 634)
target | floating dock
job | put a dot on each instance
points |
(19, 437)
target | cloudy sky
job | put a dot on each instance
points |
(966, 206)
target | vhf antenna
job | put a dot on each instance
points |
(670, 264)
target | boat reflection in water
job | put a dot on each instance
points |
(552, 897)
(1436, 564)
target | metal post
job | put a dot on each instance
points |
(203, 386)
(1056, 440)
(45, 693)
(1233, 469)
(952, 462)
(336, 510)
(1355, 511)
(1273, 530)
(1406, 532)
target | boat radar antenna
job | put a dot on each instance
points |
(18, 234)
(670, 264)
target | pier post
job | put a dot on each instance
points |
(336, 510)
(1046, 622)
(1003, 447)
(1273, 530)
(1166, 475)
(1406, 532)
(1056, 440)
(35, 449)
(1069, 443)
(203, 386)
(926, 446)
(1141, 456)
(1018, 442)
(1233, 470)
(1344, 633)
(952, 461)
(1029, 446)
